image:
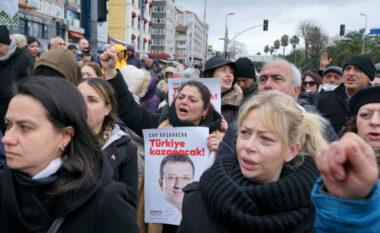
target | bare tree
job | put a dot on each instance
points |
(315, 39)
(237, 49)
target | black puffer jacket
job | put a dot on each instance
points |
(225, 201)
(15, 65)
(27, 207)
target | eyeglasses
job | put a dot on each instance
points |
(173, 178)
(310, 83)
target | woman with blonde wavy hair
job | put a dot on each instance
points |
(265, 186)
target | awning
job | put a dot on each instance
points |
(139, 17)
(150, 23)
(164, 56)
(146, 1)
(76, 35)
(150, 4)
(145, 20)
(145, 40)
(150, 41)
(133, 36)
(134, 14)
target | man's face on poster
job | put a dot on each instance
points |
(176, 176)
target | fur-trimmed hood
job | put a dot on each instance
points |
(233, 96)
(138, 80)
(20, 39)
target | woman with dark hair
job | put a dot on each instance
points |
(265, 185)
(311, 81)
(191, 108)
(116, 145)
(56, 177)
(33, 46)
(232, 95)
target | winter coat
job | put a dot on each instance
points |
(150, 100)
(120, 62)
(336, 215)
(332, 106)
(2, 152)
(63, 61)
(122, 155)
(228, 144)
(15, 65)
(231, 101)
(225, 201)
(137, 118)
(133, 60)
(27, 207)
(251, 91)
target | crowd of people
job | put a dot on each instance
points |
(289, 151)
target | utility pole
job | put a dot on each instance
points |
(94, 27)
(142, 13)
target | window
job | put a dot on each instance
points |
(158, 42)
(158, 9)
(58, 11)
(48, 8)
(133, 21)
(35, 3)
(158, 20)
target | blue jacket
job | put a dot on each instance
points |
(133, 60)
(349, 216)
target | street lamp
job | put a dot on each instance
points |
(365, 29)
(226, 36)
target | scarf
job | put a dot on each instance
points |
(240, 205)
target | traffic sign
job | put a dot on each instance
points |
(375, 31)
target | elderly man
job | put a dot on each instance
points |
(376, 80)
(283, 76)
(358, 72)
(84, 46)
(57, 43)
(331, 77)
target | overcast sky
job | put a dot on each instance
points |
(284, 17)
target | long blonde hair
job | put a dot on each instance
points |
(288, 121)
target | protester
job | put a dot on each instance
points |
(347, 196)
(245, 77)
(282, 76)
(163, 84)
(376, 80)
(132, 59)
(85, 56)
(20, 39)
(191, 72)
(121, 53)
(331, 78)
(265, 185)
(58, 63)
(72, 48)
(91, 70)
(191, 108)
(116, 145)
(358, 72)
(311, 81)
(15, 65)
(56, 176)
(33, 46)
(232, 95)
(365, 107)
(57, 43)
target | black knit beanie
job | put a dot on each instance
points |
(244, 68)
(4, 35)
(363, 96)
(364, 63)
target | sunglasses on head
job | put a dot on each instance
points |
(310, 83)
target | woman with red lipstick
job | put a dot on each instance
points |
(56, 178)
(266, 185)
(232, 95)
(365, 106)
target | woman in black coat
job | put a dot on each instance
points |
(56, 176)
(116, 145)
(266, 185)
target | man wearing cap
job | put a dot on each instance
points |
(358, 72)
(72, 48)
(376, 80)
(132, 59)
(245, 77)
(331, 78)
(15, 64)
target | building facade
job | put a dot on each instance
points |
(190, 38)
(163, 28)
(124, 22)
(45, 19)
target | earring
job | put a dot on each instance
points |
(62, 148)
(203, 117)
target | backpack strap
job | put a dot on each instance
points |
(56, 224)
